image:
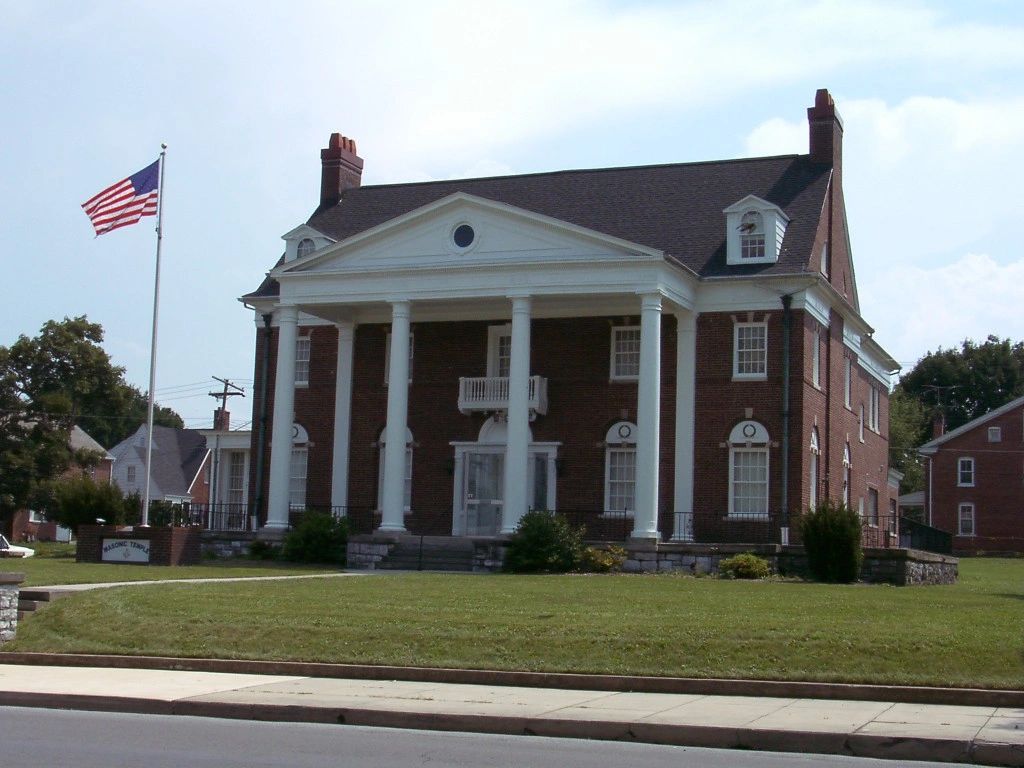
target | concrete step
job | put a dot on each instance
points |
(28, 605)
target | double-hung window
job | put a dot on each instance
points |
(302, 349)
(965, 519)
(965, 472)
(625, 352)
(750, 351)
(297, 476)
(620, 468)
(816, 357)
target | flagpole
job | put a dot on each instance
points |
(152, 350)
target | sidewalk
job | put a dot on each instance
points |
(988, 735)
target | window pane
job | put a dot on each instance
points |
(627, 352)
(302, 360)
(750, 482)
(751, 349)
(621, 479)
(297, 495)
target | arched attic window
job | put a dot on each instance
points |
(305, 247)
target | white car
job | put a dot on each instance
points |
(10, 550)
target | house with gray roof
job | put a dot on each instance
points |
(180, 464)
(664, 352)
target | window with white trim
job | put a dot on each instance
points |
(750, 351)
(305, 247)
(407, 496)
(965, 519)
(387, 356)
(873, 507)
(813, 480)
(625, 352)
(860, 423)
(874, 406)
(130, 474)
(847, 382)
(297, 478)
(816, 357)
(965, 472)
(620, 468)
(995, 434)
(302, 349)
(236, 477)
(752, 236)
(846, 474)
(748, 470)
(499, 351)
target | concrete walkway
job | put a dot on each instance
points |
(987, 735)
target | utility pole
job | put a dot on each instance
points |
(222, 398)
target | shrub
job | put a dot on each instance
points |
(263, 550)
(81, 500)
(831, 534)
(744, 566)
(595, 560)
(544, 543)
(318, 538)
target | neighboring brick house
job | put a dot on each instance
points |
(974, 481)
(180, 465)
(678, 345)
(32, 525)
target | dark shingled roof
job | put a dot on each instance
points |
(673, 208)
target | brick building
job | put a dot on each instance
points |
(676, 347)
(973, 481)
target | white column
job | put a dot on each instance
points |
(518, 443)
(284, 418)
(393, 501)
(686, 419)
(342, 417)
(645, 523)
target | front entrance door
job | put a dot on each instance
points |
(485, 482)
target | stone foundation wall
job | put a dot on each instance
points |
(902, 567)
(364, 552)
(226, 544)
(9, 583)
(489, 556)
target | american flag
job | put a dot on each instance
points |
(125, 202)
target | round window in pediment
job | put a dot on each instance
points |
(463, 236)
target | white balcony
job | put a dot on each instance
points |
(490, 393)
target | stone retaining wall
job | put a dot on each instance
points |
(9, 584)
(226, 544)
(364, 552)
(902, 567)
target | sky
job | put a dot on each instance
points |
(245, 95)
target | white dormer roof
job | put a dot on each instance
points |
(300, 233)
(766, 235)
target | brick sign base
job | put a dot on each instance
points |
(167, 546)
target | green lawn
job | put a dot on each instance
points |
(55, 564)
(970, 634)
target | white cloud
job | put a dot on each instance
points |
(920, 309)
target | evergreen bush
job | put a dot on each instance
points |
(832, 535)
(319, 537)
(744, 566)
(544, 543)
(76, 501)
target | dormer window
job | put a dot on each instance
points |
(305, 247)
(752, 236)
(755, 230)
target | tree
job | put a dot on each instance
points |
(968, 382)
(49, 383)
(907, 423)
(81, 500)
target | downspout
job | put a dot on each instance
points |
(787, 322)
(262, 431)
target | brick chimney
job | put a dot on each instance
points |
(221, 420)
(938, 425)
(342, 168)
(826, 129)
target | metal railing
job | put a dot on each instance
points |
(224, 517)
(917, 535)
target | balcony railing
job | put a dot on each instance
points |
(490, 393)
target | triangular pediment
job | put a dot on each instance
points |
(462, 231)
(755, 202)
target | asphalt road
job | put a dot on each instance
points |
(56, 738)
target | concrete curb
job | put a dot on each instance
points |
(715, 687)
(854, 745)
